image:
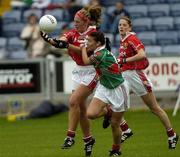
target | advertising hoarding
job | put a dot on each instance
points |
(20, 77)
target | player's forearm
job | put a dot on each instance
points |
(75, 49)
(52, 42)
(85, 57)
(139, 56)
(71, 47)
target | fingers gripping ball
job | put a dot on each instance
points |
(47, 23)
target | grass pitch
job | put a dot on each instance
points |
(43, 137)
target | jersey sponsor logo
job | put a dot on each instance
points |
(125, 45)
(81, 39)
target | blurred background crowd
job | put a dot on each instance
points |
(156, 22)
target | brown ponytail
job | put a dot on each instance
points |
(93, 12)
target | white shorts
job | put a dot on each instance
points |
(85, 75)
(138, 82)
(118, 98)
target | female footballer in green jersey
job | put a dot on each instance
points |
(112, 89)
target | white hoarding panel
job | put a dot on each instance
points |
(164, 73)
(68, 67)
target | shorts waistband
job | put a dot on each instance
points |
(85, 67)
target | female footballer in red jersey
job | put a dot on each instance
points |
(133, 60)
(84, 77)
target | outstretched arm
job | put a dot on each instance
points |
(75, 49)
(72, 47)
(54, 42)
(60, 43)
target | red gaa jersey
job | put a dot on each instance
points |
(76, 38)
(128, 48)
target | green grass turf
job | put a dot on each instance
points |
(43, 137)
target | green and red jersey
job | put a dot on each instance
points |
(108, 68)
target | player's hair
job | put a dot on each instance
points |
(127, 19)
(98, 37)
(93, 12)
(32, 15)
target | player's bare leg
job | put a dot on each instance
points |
(95, 110)
(85, 127)
(126, 131)
(151, 102)
(77, 108)
(116, 132)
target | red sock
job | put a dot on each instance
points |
(87, 138)
(124, 126)
(115, 147)
(71, 134)
(170, 132)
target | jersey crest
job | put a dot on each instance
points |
(125, 45)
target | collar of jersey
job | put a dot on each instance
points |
(127, 35)
(88, 29)
(99, 48)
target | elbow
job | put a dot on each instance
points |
(143, 56)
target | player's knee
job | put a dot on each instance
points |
(73, 104)
(156, 110)
(153, 107)
(91, 115)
